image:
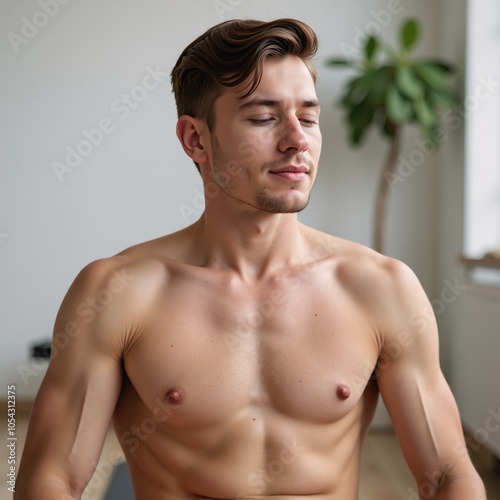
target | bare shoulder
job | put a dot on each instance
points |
(114, 294)
(373, 279)
(137, 272)
(355, 261)
(142, 264)
(110, 280)
(371, 274)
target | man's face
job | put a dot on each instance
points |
(265, 148)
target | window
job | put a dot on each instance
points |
(482, 138)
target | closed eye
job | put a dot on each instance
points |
(261, 121)
(308, 121)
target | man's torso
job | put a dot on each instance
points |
(252, 389)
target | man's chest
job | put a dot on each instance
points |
(213, 352)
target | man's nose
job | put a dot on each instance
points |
(294, 137)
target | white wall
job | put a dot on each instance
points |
(67, 78)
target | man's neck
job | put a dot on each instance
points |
(253, 244)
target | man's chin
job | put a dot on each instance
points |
(280, 206)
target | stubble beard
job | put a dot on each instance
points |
(227, 180)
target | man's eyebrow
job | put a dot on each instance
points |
(273, 103)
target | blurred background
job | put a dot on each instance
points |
(90, 165)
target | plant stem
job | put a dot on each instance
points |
(383, 190)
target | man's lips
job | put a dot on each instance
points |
(291, 172)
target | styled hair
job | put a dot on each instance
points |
(229, 54)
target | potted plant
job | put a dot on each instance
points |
(388, 92)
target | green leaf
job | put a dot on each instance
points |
(357, 135)
(447, 68)
(379, 82)
(371, 46)
(376, 77)
(361, 115)
(408, 83)
(432, 75)
(410, 33)
(334, 61)
(399, 108)
(442, 98)
(354, 94)
(371, 82)
(425, 115)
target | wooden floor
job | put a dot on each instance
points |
(384, 474)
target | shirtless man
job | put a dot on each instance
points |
(242, 356)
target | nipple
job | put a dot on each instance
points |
(175, 396)
(343, 391)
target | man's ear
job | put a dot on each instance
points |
(189, 132)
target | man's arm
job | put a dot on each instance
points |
(418, 398)
(74, 405)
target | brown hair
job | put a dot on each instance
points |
(228, 54)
